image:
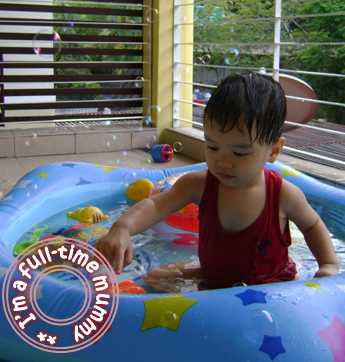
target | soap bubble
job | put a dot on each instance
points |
(127, 178)
(108, 144)
(151, 142)
(69, 25)
(27, 143)
(125, 153)
(154, 109)
(153, 139)
(176, 111)
(177, 147)
(231, 56)
(147, 121)
(167, 318)
(139, 81)
(34, 135)
(114, 138)
(182, 71)
(260, 323)
(151, 15)
(45, 39)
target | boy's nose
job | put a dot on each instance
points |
(224, 165)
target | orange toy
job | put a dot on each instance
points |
(128, 286)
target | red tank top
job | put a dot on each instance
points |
(257, 254)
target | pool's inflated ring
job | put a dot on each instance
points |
(300, 320)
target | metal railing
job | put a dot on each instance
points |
(275, 69)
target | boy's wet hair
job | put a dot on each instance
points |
(256, 100)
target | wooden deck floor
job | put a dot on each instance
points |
(318, 142)
(313, 141)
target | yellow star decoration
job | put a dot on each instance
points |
(107, 168)
(43, 174)
(289, 171)
(166, 312)
(313, 285)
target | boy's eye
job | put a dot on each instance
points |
(212, 148)
(240, 154)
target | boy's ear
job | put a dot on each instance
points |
(277, 147)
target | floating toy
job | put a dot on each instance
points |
(83, 232)
(140, 189)
(127, 286)
(23, 245)
(162, 153)
(88, 215)
(20, 247)
(297, 320)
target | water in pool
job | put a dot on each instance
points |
(152, 248)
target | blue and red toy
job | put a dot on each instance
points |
(162, 152)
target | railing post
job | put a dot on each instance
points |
(276, 48)
(183, 14)
(162, 63)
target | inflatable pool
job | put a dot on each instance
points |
(301, 320)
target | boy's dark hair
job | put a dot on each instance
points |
(255, 99)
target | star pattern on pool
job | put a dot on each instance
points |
(166, 312)
(273, 346)
(83, 182)
(334, 337)
(251, 296)
(106, 168)
(43, 175)
(70, 165)
(313, 285)
(287, 171)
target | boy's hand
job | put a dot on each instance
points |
(117, 247)
(165, 278)
(327, 270)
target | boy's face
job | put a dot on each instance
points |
(234, 159)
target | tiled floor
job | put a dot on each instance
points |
(12, 169)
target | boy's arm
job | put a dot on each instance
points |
(116, 246)
(299, 211)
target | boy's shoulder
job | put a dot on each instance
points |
(290, 196)
(192, 182)
(195, 176)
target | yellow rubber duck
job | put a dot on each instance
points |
(140, 189)
(88, 215)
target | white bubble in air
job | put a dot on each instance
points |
(151, 15)
(231, 56)
(177, 147)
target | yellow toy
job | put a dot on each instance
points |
(140, 189)
(88, 215)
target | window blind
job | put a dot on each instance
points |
(65, 60)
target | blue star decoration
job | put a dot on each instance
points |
(251, 296)
(71, 165)
(272, 346)
(83, 182)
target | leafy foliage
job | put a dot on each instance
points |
(230, 23)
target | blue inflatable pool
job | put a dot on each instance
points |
(291, 321)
